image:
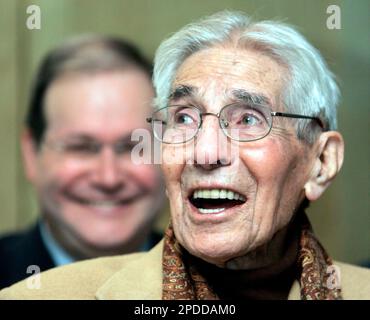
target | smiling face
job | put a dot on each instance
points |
(256, 187)
(101, 200)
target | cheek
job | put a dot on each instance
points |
(53, 177)
(277, 168)
(148, 176)
(267, 162)
(172, 176)
(57, 172)
(173, 162)
(279, 172)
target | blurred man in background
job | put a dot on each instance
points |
(88, 97)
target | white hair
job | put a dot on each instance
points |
(309, 89)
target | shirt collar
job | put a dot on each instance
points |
(59, 256)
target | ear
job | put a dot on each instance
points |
(29, 155)
(327, 163)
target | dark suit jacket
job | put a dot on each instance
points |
(20, 250)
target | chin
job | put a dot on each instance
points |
(214, 252)
(106, 236)
(215, 258)
(109, 248)
(105, 242)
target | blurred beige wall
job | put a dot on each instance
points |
(341, 218)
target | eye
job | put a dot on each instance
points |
(82, 148)
(124, 147)
(250, 120)
(183, 118)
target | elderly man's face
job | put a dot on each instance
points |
(266, 176)
(99, 198)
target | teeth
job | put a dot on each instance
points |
(103, 203)
(202, 210)
(206, 194)
(217, 194)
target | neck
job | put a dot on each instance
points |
(266, 273)
(282, 248)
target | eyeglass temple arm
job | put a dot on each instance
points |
(297, 116)
(150, 120)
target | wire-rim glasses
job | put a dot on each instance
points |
(242, 122)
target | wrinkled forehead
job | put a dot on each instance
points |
(219, 76)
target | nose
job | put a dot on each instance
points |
(107, 175)
(211, 145)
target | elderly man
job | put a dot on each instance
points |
(90, 93)
(246, 113)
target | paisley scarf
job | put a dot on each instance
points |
(182, 279)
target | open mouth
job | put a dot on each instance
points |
(211, 201)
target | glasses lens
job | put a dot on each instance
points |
(175, 124)
(246, 122)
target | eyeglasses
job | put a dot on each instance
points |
(88, 149)
(239, 121)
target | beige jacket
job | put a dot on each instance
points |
(138, 276)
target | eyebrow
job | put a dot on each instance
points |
(182, 91)
(79, 137)
(85, 138)
(250, 97)
(242, 95)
